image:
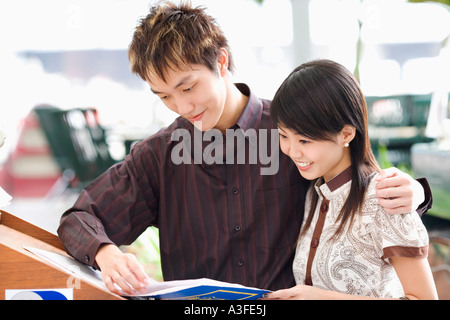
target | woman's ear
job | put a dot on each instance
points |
(222, 61)
(348, 134)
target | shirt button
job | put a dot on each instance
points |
(237, 228)
(314, 243)
(240, 262)
(235, 190)
(86, 258)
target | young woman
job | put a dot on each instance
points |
(349, 247)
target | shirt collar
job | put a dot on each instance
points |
(327, 189)
(342, 178)
(251, 116)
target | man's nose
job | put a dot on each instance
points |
(185, 108)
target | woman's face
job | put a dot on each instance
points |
(316, 158)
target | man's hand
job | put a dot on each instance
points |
(121, 272)
(397, 192)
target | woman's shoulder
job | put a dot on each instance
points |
(408, 225)
(371, 204)
(372, 186)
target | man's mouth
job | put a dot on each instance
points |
(197, 117)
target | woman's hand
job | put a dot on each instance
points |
(301, 292)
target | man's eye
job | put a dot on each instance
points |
(191, 88)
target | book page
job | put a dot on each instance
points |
(191, 289)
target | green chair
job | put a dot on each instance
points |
(78, 143)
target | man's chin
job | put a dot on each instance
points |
(202, 126)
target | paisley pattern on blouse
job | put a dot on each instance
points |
(357, 262)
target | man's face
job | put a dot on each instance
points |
(197, 94)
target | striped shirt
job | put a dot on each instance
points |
(217, 220)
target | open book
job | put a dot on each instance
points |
(201, 289)
(195, 289)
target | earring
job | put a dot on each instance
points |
(346, 144)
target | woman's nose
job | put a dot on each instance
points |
(295, 152)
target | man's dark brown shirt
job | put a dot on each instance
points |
(223, 221)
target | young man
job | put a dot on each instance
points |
(227, 203)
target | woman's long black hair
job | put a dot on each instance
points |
(316, 101)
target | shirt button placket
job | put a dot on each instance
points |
(235, 192)
(315, 240)
(324, 207)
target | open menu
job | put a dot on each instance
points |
(193, 289)
(201, 289)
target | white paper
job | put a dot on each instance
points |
(72, 266)
(5, 198)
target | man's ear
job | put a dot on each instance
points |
(222, 61)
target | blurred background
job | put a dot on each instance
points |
(65, 75)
